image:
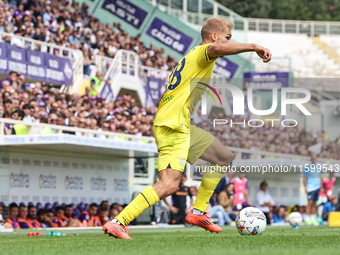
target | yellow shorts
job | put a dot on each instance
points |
(176, 148)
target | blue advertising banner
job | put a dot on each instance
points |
(35, 65)
(225, 67)
(153, 90)
(58, 69)
(265, 81)
(16, 59)
(169, 36)
(126, 11)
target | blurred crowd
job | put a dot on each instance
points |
(231, 196)
(68, 24)
(42, 103)
(289, 140)
(65, 215)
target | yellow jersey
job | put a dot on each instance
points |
(180, 96)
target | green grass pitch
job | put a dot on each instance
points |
(275, 240)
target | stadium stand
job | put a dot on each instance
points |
(333, 43)
(75, 27)
(39, 101)
(273, 139)
(296, 53)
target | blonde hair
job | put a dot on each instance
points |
(216, 24)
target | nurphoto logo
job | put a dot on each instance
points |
(239, 101)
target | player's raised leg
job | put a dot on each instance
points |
(218, 155)
(168, 184)
(173, 147)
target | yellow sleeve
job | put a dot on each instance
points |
(202, 57)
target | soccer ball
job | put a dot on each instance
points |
(251, 221)
(295, 219)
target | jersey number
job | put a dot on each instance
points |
(176, 73)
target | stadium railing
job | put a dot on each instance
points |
(77, 63)
(128, 63)
(311, 28)
(83, 131)
(209, 8)
(253, 154)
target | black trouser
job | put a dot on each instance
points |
(178, 218)
(267, 217)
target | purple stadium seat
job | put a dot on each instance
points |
(2, 204)
(86, 206)
(22, 203)
(76, 213)
(30, 204)
(55, 204)
(39, 206)
(80, 206)
(74, 206)
(63, 205)
(48, 206)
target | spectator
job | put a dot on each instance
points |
(103, 215)
(22, 218)
(19, 129)
(116, 206)
(73, 123)
(49, 215)
(68, 219)
(45, 130)
(11, 78)
(179, 206)
(29, 112)
(226, 197)
(329, 207)
(89, 215)
(104, 203)
(113, 213)
(312, 182)
(326, 189)
(32, 217)
(13, 214)
(95, 84)
(44, 220)
(58, 218)
(264, 200)
(222, 216)
(328, 184)
(61, 120)
(3, 224)
(241, 199)
(224, 182)
(278, 217)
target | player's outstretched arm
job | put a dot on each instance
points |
(225, 49)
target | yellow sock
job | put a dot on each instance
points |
(147, 198)
(209, 182)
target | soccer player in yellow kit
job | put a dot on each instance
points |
(177, 140)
